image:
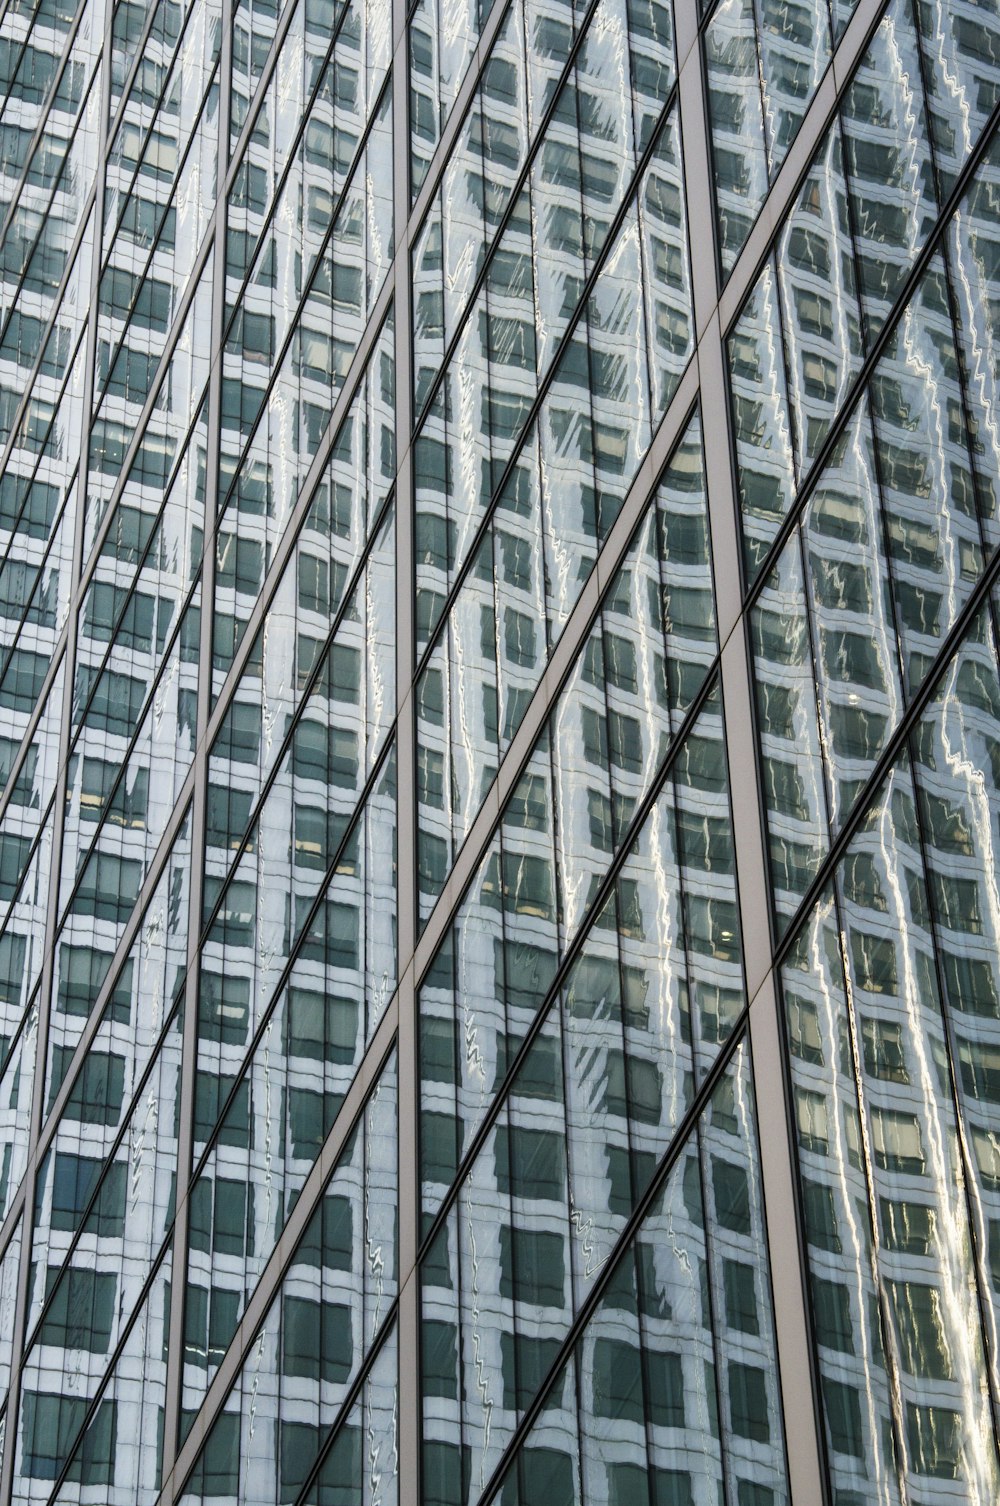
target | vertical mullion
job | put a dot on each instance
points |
(408, 1075)
(753, 878)
(59, 804)
(714, 1325)
(189, 1047)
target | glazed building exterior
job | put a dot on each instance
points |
(500, 752)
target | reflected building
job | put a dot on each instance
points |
(499, 753)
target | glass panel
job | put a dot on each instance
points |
(826, 665)
(261, 1123)
(670, 1393)
(960, 49)
(890, 1168)
(971, 243)
(763, 65)
(51, 155)
(80, 1307)
(843, 257)
(327, 78)
(8, 1299)
(120, 1447)
(484, 438)
(166, 473)
(636, 1033)
(25, 839)
(289, 344)
(923, 457)
(346, 512)
(330, 1307)
(553, 511)
(443, 35)
(603, 115)
(136, 999)
(887, 553)
(330, 929)
(360, 1463)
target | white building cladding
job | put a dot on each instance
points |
(499, 753)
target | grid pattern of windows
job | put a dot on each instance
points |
(500, 752)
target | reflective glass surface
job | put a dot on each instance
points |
(336, 1299)
(890, 999)
(668, 1391)
(499, 737)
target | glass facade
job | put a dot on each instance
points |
(499, 752)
